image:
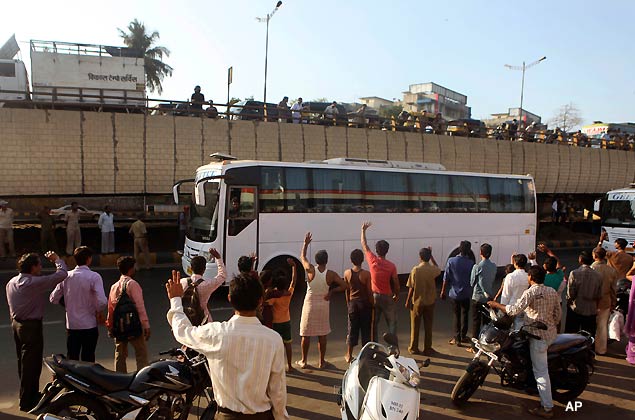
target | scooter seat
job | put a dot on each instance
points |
(93, 373)
(566, 341)
(372, 363)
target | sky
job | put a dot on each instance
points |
(347, 49)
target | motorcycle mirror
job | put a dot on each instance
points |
(391, 339)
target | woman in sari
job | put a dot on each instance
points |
(629, 327)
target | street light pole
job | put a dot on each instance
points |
(266, 19)
(523, 68)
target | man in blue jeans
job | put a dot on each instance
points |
(539, 303)
(457, 277)
(384, 283)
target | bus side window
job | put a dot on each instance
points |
(241, 210)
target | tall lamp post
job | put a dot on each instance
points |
(522, 86)
(266, 19)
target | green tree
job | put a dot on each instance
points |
(139, 39)
(390, 111)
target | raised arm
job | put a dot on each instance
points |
(294, 273)
(432, 260)
(365, 226)
(308, 267)
(546, 250)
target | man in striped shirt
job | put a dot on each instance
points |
(540, 303)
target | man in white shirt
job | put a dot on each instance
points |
(6, 229)
(295, 111)
(73, 231)
(246, 359)
(514, 285)
(107, 225)
(207, 286)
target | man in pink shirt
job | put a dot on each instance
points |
(384, 283)
(84, 299)
(133, 289)
(208, 286)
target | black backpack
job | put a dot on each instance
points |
(126, 324)
(192, 303)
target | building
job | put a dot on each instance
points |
(433, 98)
(376, 102)
(511, 114)
(598, 129)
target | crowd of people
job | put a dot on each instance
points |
(262, 317)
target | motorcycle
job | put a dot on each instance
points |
(166, 389)
(381, 385)
(570, 358)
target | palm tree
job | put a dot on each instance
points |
(137, 38)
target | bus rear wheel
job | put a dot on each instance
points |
(280, 267)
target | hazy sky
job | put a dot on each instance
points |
(343, 50)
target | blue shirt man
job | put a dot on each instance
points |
(457, 277)
(482, 280)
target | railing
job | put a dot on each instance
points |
(124, 102)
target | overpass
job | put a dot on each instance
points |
(80, 153)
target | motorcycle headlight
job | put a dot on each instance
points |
(411, 376)
(490, 347)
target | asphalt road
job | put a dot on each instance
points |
(311, 392)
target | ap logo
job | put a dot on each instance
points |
(573, 406)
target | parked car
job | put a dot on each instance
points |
(84, 213)
(467, 127)
(253, 110)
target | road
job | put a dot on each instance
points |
(311, 393)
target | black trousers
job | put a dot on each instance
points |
(461, 317)
(360, 318)
(576, 322)
(82, 343)
(478, 318)
(29, 347)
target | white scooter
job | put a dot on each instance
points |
(381, 385)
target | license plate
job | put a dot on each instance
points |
(490, 354)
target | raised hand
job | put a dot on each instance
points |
(51, 256)
(366, 225)
(308, 238)
(173, 286)
(214, 253)
(291, 262)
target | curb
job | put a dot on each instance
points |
(105, 260)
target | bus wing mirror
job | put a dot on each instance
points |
(176, 189)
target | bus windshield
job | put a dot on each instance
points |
(203, 224)
(618, 213)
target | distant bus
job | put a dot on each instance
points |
(618, 217)
(240, 207)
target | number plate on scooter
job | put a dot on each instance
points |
(490, 354)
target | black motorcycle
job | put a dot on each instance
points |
(570, 357)
(165, 390)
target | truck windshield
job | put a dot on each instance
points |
(618, 213)
(203, 223)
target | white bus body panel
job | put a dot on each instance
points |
(17, 80)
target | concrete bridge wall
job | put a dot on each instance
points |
(51, 152)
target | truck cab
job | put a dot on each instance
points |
(13, 78)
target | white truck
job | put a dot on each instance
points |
(71, 74)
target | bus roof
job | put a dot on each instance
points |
(354, 164)
(629, 189)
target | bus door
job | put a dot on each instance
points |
(241, 224)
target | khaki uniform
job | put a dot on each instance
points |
(73, 232)
(139, 232)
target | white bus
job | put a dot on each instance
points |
(240, 207)
(618, 217)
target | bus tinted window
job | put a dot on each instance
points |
(271, 190)
(469, 194)
(298, 192)
(430, 193)
(511, 195)
(386, 192)
(336, 190)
